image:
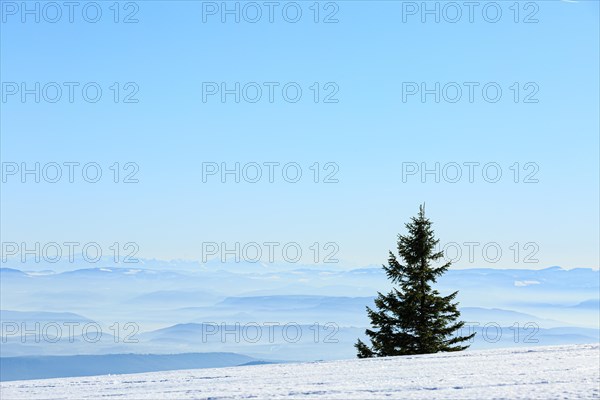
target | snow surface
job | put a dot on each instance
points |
(554, 372)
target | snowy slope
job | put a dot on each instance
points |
(539, 373)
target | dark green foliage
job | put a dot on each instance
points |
(414, 318)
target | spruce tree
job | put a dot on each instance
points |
(414, 318)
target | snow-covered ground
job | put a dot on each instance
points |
(557, 372)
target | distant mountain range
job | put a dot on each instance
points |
(278, 330)
(169, 304)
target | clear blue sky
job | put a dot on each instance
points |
(369, 133)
